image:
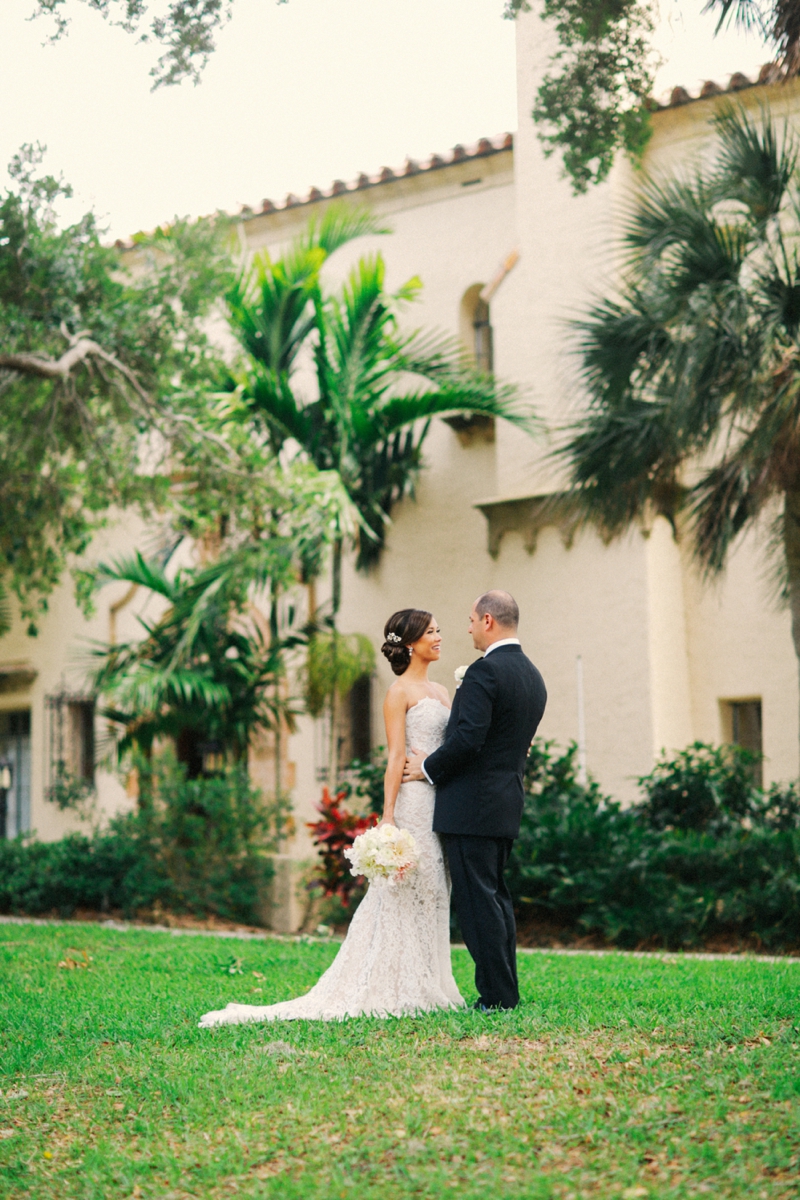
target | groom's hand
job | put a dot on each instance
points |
(412, 772)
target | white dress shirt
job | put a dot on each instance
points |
(502, 642)
(488, 650)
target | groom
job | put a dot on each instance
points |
(477, 772)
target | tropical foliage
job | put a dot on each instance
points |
(703, 855)
(692, 370)
(377, 386)
(334, 832)
(101, 369)
(377, 389)
(210, 667)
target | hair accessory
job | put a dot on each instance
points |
(393, 637)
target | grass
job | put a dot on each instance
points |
(616, 1077)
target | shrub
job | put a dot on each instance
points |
(199, 846)
(366, 779)
(703, 854)
(703, 787)
(336, 830)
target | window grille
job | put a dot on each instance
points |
(483, 345)
(70, 742)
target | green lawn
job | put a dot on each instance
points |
(616, 1077)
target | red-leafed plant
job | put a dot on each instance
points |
(336, 830)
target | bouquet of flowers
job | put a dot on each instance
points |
(384, 853)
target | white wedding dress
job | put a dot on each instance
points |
(395, 960)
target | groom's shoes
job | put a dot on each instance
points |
(480, 1007)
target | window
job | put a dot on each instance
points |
(476, 336)
(476, 328)
(361, 718)
(354, 730)
(15, 772)
(482, 347)
(741, 726)
(70, 740)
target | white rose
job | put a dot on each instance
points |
(459, 674)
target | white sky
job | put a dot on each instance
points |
(296, 94)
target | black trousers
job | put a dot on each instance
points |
(485, 913)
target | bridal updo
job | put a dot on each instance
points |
(400, 632)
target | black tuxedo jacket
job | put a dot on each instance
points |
(478, 768)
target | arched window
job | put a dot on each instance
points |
(476, 328)
(476, 335)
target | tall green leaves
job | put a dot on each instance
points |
(377, 385)
(211, 666)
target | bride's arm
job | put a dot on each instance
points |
(394, 716)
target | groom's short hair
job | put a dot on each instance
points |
(500, 605)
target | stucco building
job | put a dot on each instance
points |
(638, 653)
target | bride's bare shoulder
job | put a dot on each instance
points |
(442, 694)
(397, 697)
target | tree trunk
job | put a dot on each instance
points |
(273, 637)
(336, 600)
(791, 547)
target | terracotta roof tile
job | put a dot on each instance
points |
(459, 153)
(769, 73)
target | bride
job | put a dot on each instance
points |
(395, 959)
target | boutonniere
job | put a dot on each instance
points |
(458, 675)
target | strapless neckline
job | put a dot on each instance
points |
(426, 699)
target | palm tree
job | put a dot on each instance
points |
(377, 386)
(206, 673)
(377, 390)
(693, 371)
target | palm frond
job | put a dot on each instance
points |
(761, 464)
(139, 570)
(625, 462)
(478, 394)
(669, 212)
(270, 395)
(620, 342)
(339, 224)
(743, 14)
(675, 231)
(756, 164)
(271, 305)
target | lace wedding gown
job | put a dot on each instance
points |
(395, 959)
